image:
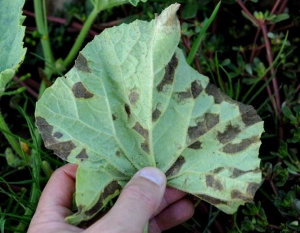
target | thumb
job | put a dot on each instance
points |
(137, 203)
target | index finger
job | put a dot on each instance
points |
(58, 193)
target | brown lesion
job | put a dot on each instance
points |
(210, 120)
(212, 200)
(196, 145)
(110, 189)
(156, 114)
(80, 91)
(140, 130)
(181, 96)
(217, 170)
(229, 133)
(237, 194)
(169, 74)
(237, 172)
(145, 134)
(196, 88)
(145, 147)
(133, 97)
(82, 155)
(61, 149)
(218, 95)
(127, 110)
(213, 182)
(81, 64)
(249, 115)
(232, 148)
(176, 167)
(58, 135)
(252, 188)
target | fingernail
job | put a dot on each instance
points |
(153, 175)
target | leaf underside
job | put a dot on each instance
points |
(11, 40)
(132, 101)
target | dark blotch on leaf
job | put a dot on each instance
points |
(82, 155)
(212, 200)
(196, 145)
(229, 134)
(236, 194)
(210, 120)
(110, 189)
(218, 95)
(133, 97)
(155, 114)
(82, 64)
(145, 147)
(249, 115)
(181, 96)
(127, 110)
(252, 188)
(213, 183)
(61, 149)
(142, 131)
(118, 153)
(169, 73)
(113, 117)
(80, 91)
(237, 172)
(175, 168)
(196, 88)
(235, 148)
(58, 135)
(217, 170)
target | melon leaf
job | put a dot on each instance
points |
(11, 40)
(132, 101)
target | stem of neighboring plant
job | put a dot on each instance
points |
(254, 42)
(298, 88)
(281, 8)
(270, 60)
(273, 187)
(80, 39)
(244, 8)
(274, 79)
(274, 227)
(12, 141)
(42, 28)
(275, 7)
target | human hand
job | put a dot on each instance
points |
(140, 201)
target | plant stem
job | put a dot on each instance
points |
(275, 7)
(80, 39)
(12, 141)
(244, 8)
(42, 28)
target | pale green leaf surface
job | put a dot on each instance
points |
(11, 40)
(132, 101)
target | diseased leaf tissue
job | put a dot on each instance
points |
(132, 101)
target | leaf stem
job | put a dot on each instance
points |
(80, 39)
